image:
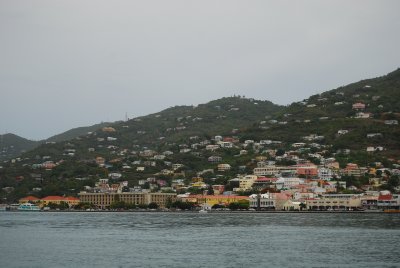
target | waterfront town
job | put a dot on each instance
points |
(318, 184)
(295, 161)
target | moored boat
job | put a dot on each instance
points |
(392, 211)
(28, 207)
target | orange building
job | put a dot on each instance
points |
(29, 199)
(307, 171)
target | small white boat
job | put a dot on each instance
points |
(203, 208)
(28, 207)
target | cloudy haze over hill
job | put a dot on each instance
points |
(76, 63)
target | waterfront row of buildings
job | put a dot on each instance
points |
(267, 201)
(344, 202)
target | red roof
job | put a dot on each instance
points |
(70, 198)
(30, 198)
(385, 197)
(53, 198)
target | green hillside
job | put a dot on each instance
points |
(12, 146)
(173, 126)
(326, 124)
(327, 113)
(75, 132)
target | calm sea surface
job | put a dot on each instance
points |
(80, 239)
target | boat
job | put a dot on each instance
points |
(203, 208)
(391, 210)
(28, 207)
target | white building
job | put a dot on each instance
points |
(325, 174)
(287, 183)
(264, 201)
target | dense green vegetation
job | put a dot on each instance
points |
(12, 146)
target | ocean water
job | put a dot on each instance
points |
(145, 239)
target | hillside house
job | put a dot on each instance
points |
(214, 159)
(325, 173)
(226, 144)
(263, 182)
(266, 170)
(362, 115)
(218, 189)
(358, 106)
(374, 135)
(224, 167)
(288, 183)
(108, 129)
(342, 132)
(167, 153)
(353, 170)
(48, 165)
(298, 144)
(159, 157)
(212, 147)
(391, 122)
(245, 183)
(307, 171)
(177, 166)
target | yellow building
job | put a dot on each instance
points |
(54, 199)
(104, 200)
(72, 201)
(211, 200)
(335, 202)
(197, 179)
(245, 183)
(199, 184)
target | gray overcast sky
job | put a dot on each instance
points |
(65, 64)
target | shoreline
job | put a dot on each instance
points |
(214, 212)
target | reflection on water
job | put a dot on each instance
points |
(198, 240)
